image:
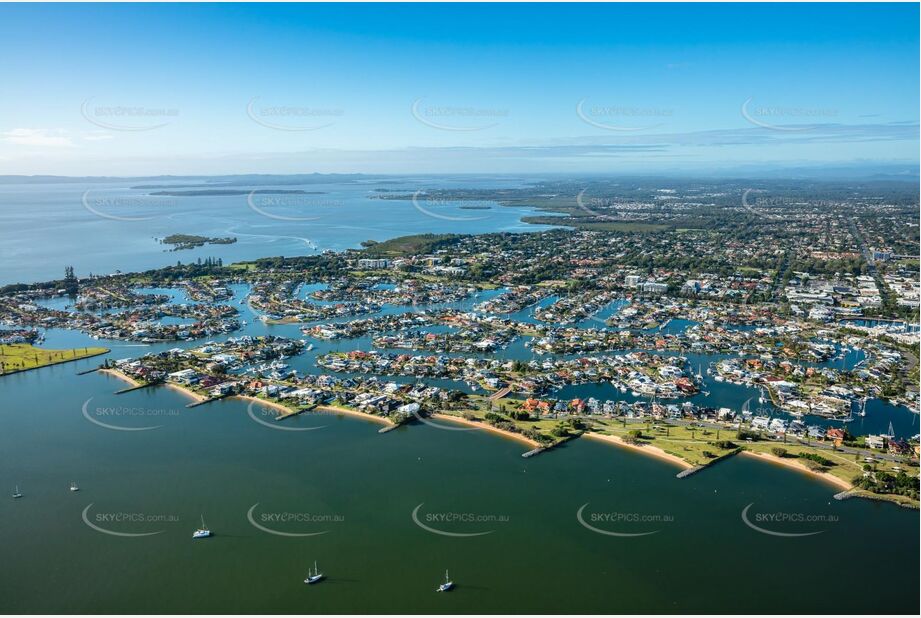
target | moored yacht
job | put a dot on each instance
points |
(203, 532)
(447, 585)
(314, 576)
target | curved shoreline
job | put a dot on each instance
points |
(370, 417)
(185, 391)
(648, 449)
(486, 427)
(795, 465)
(121, 376)
(285, 410)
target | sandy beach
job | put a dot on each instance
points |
(185, 391)
(485, 427)
(368, 417)
(796, 465)
(648, 449)
(121, 376)
(285, 410)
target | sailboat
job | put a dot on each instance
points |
(315, 576)
(16, 493)
(203, 532)
(73, 486)
(448, 585)
(891, 433)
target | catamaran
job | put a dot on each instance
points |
(73, 486)
(448, 585)
(203, 532)
(314, 576)
(16, 493)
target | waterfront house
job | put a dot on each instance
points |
(184, 376)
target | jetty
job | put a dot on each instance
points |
(195, 404)
(136, 387)
(282, 417)
(689, 472)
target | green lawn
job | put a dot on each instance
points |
(22, 356)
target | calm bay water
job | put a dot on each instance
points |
(103, 227)
(355, 491)
(360, 488)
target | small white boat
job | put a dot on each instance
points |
(73, 486)
(448, 585)
(17, 493)
(314, 576)
(203, 532)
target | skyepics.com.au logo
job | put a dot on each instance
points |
(787, 524)
(457, 524)
(292, 118)
(274, 418)
(417, 412)
(459, 118)
(131, 118)
(605, 208)
(781, 118)
(624, 524)
(292, 524)
(782, 207)
(127, 524)
(124, 207)
(292, 207)
(429, 206)
(126, 418)
(622, 118)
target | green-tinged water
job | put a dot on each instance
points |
(360, 489)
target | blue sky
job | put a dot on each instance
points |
(211, 89)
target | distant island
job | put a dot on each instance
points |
(186, 186)
(212, 192)
(190, 241)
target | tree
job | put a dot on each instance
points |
(71, 285)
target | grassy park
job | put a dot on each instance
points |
(22, 356)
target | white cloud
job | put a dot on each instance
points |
(96, 136)
(54, 138)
